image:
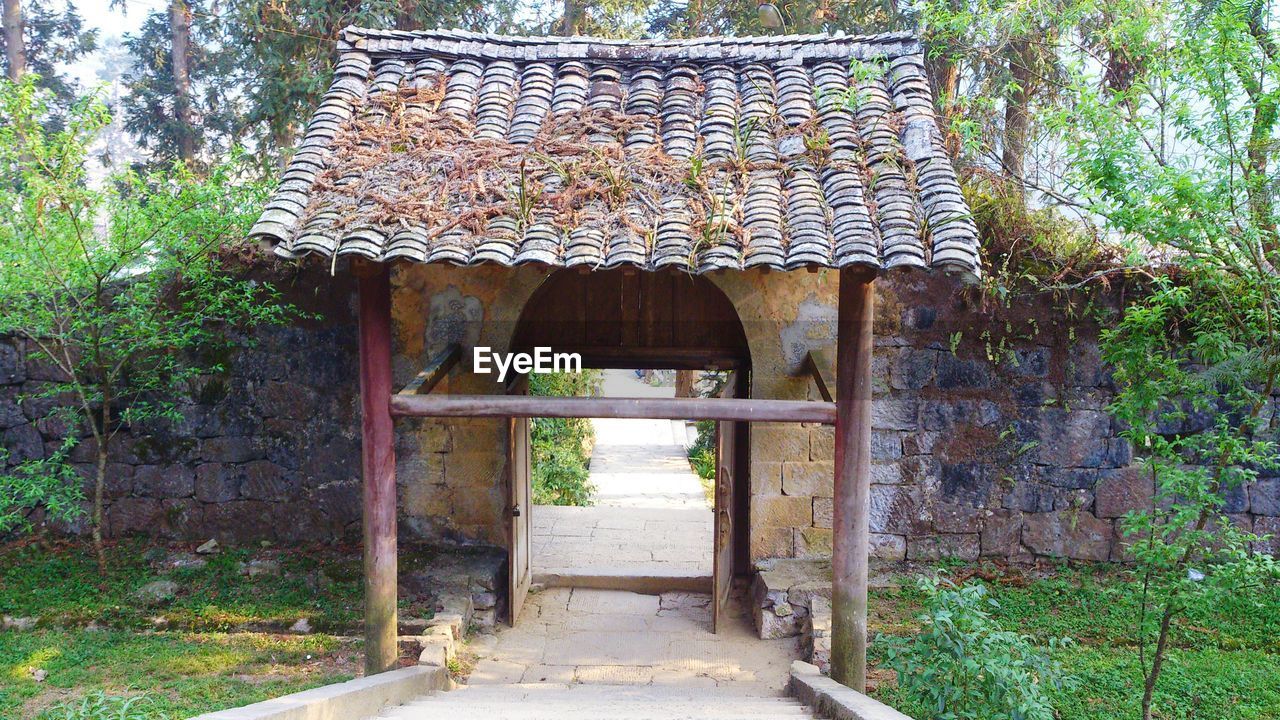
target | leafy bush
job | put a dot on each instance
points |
(101, 706)
(962, 666)
(702, 453)
(561, 447)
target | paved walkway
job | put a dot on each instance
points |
(650, 517)
(583, 636)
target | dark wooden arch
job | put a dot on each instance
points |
(617, 319)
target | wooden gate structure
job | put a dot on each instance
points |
(703, 155)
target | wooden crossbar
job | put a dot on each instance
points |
(435, 371)
(741, 409)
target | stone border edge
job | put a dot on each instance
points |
(830, 699)
(351, 700)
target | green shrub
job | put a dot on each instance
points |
(101, 706)
(962, 666)
(561, 447)
(702, 453)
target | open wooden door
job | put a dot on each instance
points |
(521, 572)
(723, 532)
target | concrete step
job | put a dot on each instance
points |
(533, 701)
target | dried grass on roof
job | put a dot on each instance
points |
(400, 162)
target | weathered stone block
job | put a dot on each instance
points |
(781, 511)
(822, 446)
(812, 542)
(1029, 496)
(823, 510)
(1075, 535)
(919, 443)
(164, 481)
(956, 518)
(1029, 362)
(231, 449)
(895, 413)
(216, 483)
(778, 442)
(886, 446)
(1002, 534)
(287, 400)
(130, 515)
(766, 477)
(807, 478)
(1123, 490)
(967, 483)
(1268, 528)
(1071, 478)
(12, 364)
(890, 548)
(770, 542)
(937, 547)
(1264, 497)
(1074, 439)
(955, 373)
(911, 369)
(886, 474)
(263, 480)
(23, 443)
(893, 509)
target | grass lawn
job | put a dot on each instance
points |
(179, 674)
(198, 651)
(1225, 662)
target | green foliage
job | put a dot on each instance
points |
(561, 448)
(116, 284)
(702, 453)
(48, 482)
(101, 706)
(1179, 161)
(55, 38)
(962, 665)
(218, 106)
(1222, 659)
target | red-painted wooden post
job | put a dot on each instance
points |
(381, 649)
(851, 542)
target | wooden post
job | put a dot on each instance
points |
(381, 650)
(852, 478)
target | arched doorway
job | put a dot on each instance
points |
(652, 320)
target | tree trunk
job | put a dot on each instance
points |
(684, 383)
(100, 484)
(1157, 661)
(180, 29)
(404, 16)
(1016, 117)
(15, 49)
(574, 14)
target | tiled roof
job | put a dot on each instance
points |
(804, 151)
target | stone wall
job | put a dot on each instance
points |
(990, 430)
(268, 450)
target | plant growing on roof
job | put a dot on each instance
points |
(117, 286)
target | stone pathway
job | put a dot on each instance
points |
(582, 636)
(650, 516)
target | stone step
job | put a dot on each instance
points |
(534, 701)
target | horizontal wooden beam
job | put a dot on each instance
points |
(655, 358)
(741, 409)
(435, 371)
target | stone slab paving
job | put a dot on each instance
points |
(649, 516)
(607, 637)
